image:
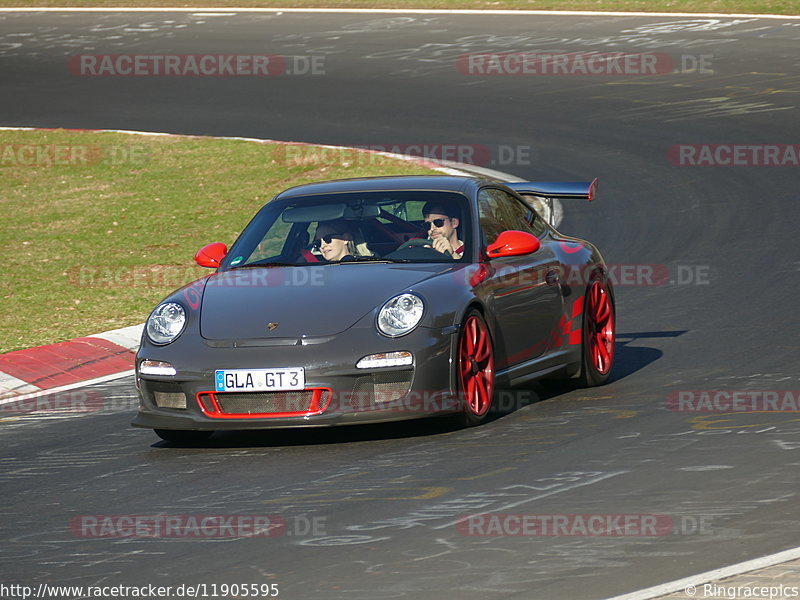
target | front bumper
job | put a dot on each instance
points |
(337, 393)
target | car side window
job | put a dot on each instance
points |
(537, 206)
(499, 211)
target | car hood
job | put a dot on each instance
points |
(301, 301)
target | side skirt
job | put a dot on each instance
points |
(536, 368)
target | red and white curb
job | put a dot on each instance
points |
(66, 365)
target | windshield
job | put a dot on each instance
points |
(353, 227)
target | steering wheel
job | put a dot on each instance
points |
(418, 249)
(415, 243)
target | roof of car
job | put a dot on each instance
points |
(449, 183)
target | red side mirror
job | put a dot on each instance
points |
(513, 243)
(211, 255)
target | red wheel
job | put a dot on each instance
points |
(475, 366)
(598, 335)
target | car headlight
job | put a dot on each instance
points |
(400, 315)
(166, 323)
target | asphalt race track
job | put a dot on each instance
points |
(370, 513)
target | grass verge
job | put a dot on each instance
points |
(100, 226)
(783, 7)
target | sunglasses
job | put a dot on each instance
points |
(437, 222)
(327, 239)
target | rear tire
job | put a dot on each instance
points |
(597, 345)
(183, 436)
(474, 370)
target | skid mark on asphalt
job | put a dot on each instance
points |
(489, 474)
(713, 96)
(50, 463)
(503, 499)
(466, 568)
(105, 32)
(371, 494)
(745, 421)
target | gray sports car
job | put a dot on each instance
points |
(373, 300)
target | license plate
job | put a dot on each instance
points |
(260, 380)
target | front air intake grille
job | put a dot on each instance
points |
(267, 402)
(264, 404)
(382, 387)
(170, 399)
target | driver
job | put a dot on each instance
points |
(442, 227)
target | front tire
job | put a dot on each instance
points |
(597, 346)
(183, 436)
(475, 370)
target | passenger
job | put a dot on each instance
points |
(335, 240)
(441, 223)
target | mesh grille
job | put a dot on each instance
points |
(381, 387)
(170, 399)
(267, 402)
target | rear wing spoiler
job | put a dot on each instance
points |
(582, 190)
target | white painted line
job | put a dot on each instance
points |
(12, 385)
(680, 585)
(404, 11)
(65, 388)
